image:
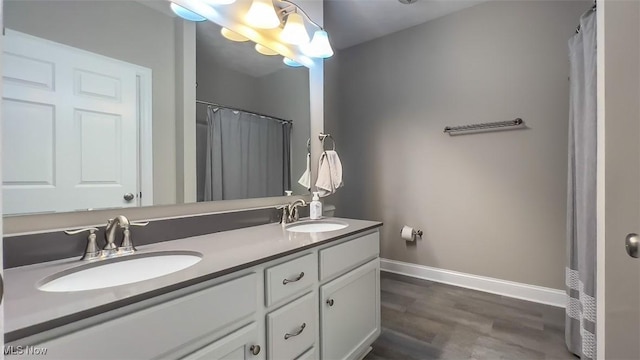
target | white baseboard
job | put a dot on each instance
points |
(539, 294)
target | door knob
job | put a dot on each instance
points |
(631, 244)
(128, 196)
(1, 289)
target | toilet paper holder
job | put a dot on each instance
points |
(414, 232)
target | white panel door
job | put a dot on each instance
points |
(619, 102)
(70, 128)
(1, 213)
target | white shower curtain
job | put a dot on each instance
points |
(247, 156)
(580, 276)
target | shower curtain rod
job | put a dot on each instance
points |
(593, 8)
(247, 111)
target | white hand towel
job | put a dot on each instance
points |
(329, 173)
(305, 179)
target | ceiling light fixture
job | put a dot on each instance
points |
(186, 14)
(294, 31)
(262, 15)
(232, 35)
(290, 62)
(319, 47)
(219, 2)
(265, 50)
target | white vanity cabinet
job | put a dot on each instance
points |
(157, 331)
(322, 302)
(354, 296)
(352, 292)
(240, 345)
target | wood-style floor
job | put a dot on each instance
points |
(427, 320)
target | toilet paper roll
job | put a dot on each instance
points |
(408, 233)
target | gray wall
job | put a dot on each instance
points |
(224, 86)
(490, 204)
(285, 94)
(123, 30)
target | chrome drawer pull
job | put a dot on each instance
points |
(286, 281)
(255, 349)
(287, 335)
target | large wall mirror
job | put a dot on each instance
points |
(92, 107)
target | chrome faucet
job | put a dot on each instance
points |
(110, 232)
(126, 247)
(93, 252)
(290, 211)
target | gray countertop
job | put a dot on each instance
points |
(28, 310)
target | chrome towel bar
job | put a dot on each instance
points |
(483, 126)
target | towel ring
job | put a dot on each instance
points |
(309, 146)
(323, 137)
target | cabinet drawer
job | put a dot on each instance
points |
(340, 258)
(238, 345)
(160, 329)
(292, 329)
(290, 278)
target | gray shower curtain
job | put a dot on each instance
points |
(247, 155)
(580, 274)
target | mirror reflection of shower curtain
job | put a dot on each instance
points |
(247, 156)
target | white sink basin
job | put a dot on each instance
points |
(119, 271)
(315, 226)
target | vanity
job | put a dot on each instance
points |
(262, 292)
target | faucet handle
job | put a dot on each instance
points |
(127, 246)
(285, 214)
(91, 251)
(91, 230)
(295, 215)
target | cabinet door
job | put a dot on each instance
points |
(308, 355)
(350, 312)
(242, 344)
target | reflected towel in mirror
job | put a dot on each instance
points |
(329, 173)
(305, 179)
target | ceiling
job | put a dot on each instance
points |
(351, 22)
(211, 46)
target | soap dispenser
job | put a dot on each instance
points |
(315, 207)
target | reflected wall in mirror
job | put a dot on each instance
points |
(93, 107)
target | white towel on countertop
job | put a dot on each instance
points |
(305, 179)
(329, 173)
